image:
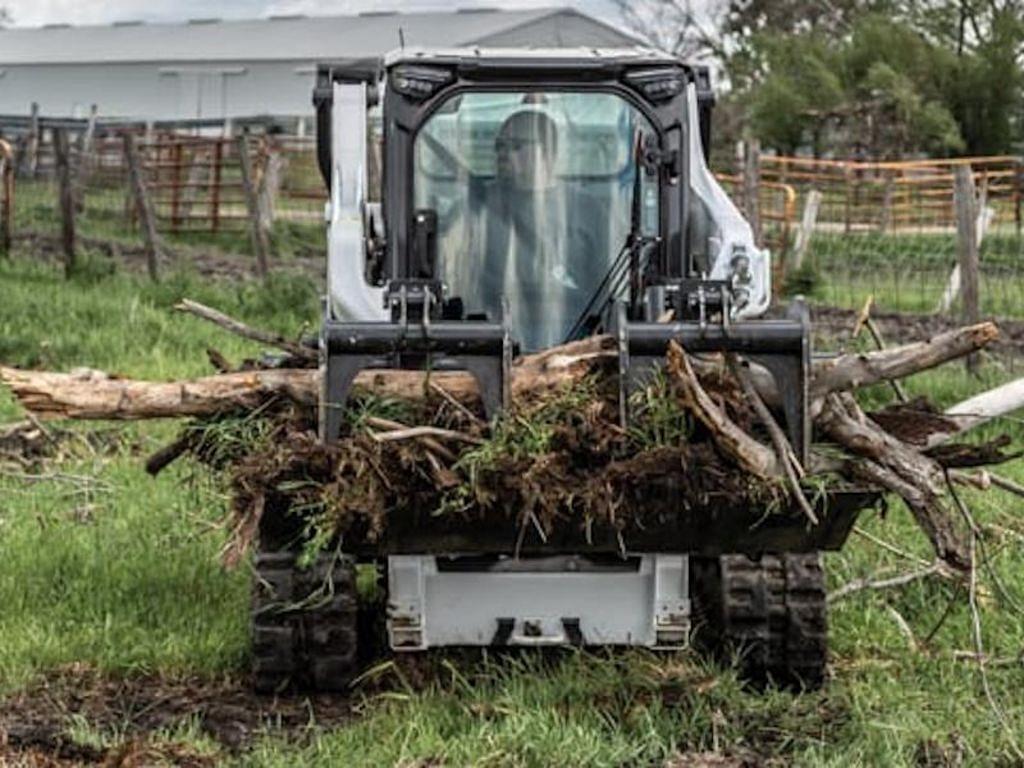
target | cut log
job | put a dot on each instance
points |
(982, 408)
(88, 394)
(858, 370)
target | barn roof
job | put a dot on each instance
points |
(286, 38)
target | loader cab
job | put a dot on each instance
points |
(528, 198)
(521, 176)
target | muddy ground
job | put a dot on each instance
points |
(56, 721)
(833, 325)
(37, 724)
(206, 262)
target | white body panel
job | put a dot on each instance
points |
(730, 233)
(351, 297)
(646, 606)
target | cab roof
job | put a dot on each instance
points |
(531, 58)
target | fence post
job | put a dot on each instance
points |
(86, 158)
(270, 183)
(143, 206)
(1018, 175)
(260, 241)
(967, 247)
(6, 196)
(177, 159)
(215, 184)
(847, 201)
(33, 141)
(803, 235)
(66, 199)
(198, 168)
(885, 223)
(983, 217)
(751, 185)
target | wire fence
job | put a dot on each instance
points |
(915, 195)
(883, 229)
(192, 179)
(890, 230)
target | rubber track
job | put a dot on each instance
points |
(772, 612)
(304, 623)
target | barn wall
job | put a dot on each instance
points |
(560, 31)
(154, 91)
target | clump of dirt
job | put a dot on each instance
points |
(914, 422)
(918, 422)
(37, 724)
(30, 445)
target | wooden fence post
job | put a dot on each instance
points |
(143, 206)
(967, 248)
(86, 158)
(752, 186)
(215, 184)
(803, 235)
(982, 219)
(198, 170)
(33, 141)
(66, 199)
(847, 200)
(270, 183)
(885, 222)
(260, 240)
(1018, 176)
(7, 162)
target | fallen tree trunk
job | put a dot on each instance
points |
(96, 395)
(89, 394)
(855, 370)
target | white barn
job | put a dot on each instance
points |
(208, 68)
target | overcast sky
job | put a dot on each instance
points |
(33, 13)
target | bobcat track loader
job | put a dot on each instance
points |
(530, 197)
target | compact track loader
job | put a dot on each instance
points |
(528, 198)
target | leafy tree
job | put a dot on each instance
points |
(884, 88)
(881, 78)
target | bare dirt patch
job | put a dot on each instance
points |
(834, 324)
(206, 262)
(38, 723)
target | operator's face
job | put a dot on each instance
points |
(524, 160)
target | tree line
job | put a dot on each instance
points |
(879, 79)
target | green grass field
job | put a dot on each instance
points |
(104, 567)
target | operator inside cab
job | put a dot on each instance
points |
(530, 241)
(533, 194)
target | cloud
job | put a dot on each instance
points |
(31, 13)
